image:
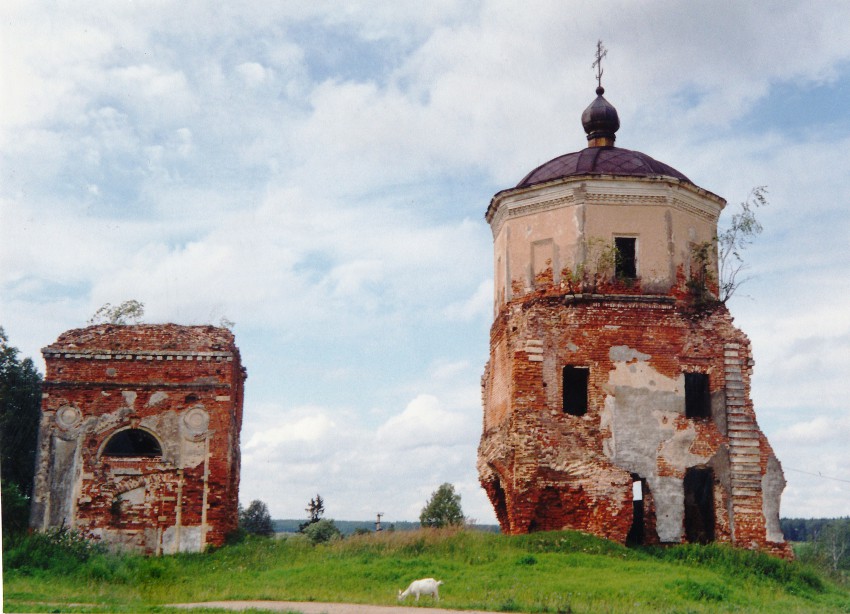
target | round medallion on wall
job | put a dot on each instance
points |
(196, 420)
(67, 417)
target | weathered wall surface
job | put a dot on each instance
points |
(546, 469)
(178, 390)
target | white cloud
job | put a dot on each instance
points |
(819, 430)
(813, 453)
(477, 306)
(425, 423)
(308, 428)
(252, 72)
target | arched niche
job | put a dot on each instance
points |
(132, 442)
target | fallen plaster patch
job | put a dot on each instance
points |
(157, 398)
(640, 412)
(623, 353)
(129, 397)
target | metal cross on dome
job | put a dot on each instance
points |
(601, 52)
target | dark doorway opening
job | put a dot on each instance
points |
(500, 504)
(699, 505)
(133, 442)
(637, 532)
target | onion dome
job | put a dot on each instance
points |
(600, 121)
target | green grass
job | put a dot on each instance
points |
(542, 572)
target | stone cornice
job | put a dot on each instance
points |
(603, 190)
(54, 353)
(623, 300)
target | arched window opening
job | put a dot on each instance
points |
(133, 442)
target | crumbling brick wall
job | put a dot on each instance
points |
(139, 436)
(546, 469)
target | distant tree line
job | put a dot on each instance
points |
(823, 542)
(803, 529)
(346, 527)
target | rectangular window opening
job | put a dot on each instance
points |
(575, 390)
(697, 396)
(626, 262)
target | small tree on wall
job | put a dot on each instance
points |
(702, 279)
(600, 261)
(596, 264)
(743, 228)
(442, 509)
(727, 248)
(128, 312)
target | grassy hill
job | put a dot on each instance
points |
(348, 527)
(558, 572)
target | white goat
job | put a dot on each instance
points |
(426, 586)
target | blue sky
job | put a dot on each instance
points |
(318, 174)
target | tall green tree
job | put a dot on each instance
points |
(315, 510)
(256, 519)
(442, 509)
(833, 544)
(20, 412)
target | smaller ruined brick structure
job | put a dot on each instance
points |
(139, 437)
(616, 397)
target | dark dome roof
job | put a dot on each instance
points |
(601, 161)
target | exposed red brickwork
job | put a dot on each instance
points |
(545, 469)
(182, 385)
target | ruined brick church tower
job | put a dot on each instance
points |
(139, 438)
(615, 402)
